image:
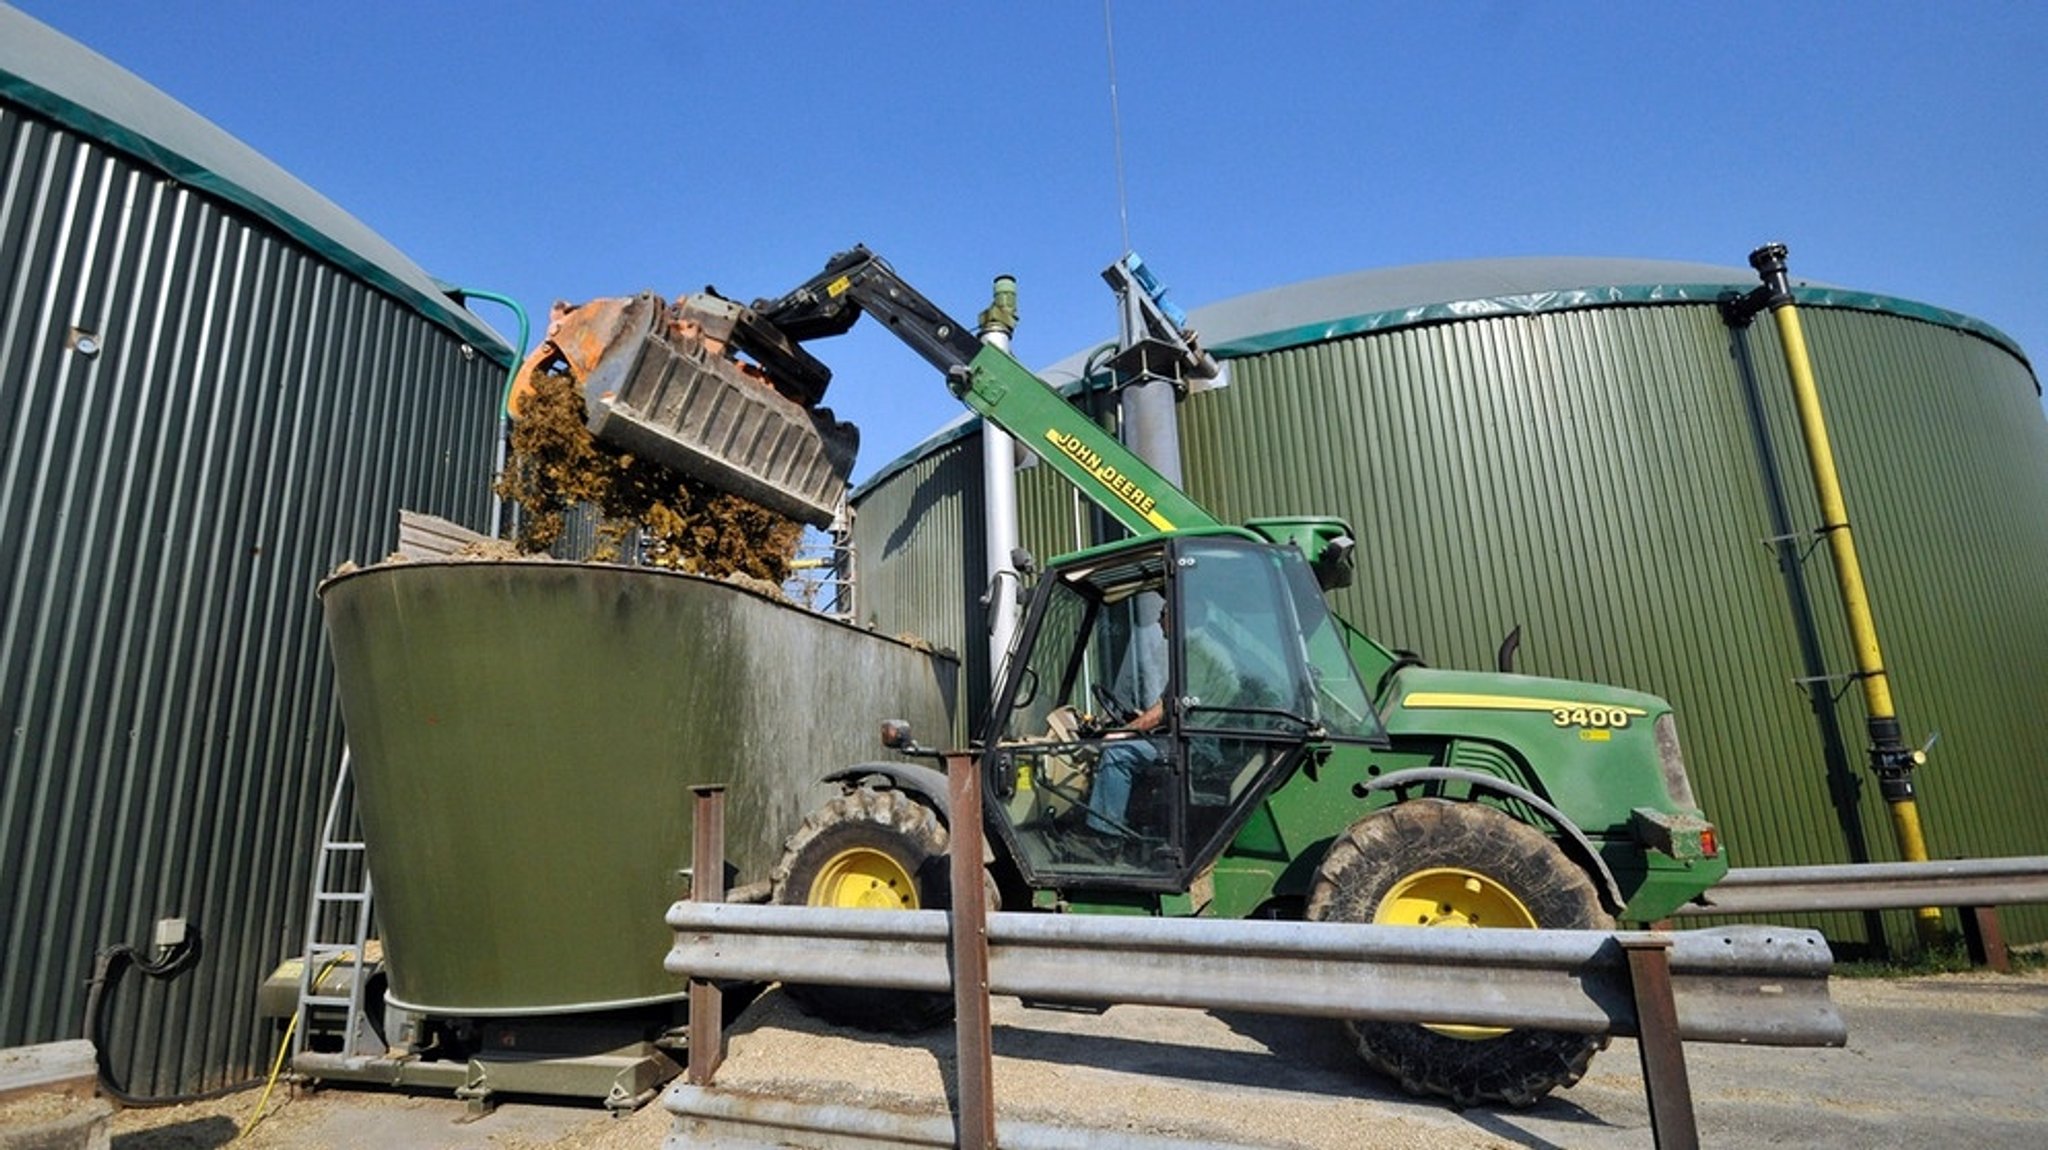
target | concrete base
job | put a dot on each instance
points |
(81, 1125)
(71, 1067)
(625, 1078)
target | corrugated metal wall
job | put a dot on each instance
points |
(917, 538)
(1600, 477)
(1944, 453)
(911, 540)
(252, 418)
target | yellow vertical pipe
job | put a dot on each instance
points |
(1834, 514)
(1889, 756)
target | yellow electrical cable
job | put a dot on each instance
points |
(276, 1065)
(283, 1048)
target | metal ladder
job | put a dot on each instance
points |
(331, 890)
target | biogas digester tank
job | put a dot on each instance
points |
(524, 738)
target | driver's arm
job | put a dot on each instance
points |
(1149, 718)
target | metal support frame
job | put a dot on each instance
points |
(707, 884)
(1665, 1082)
(1984, 937)
(825, 574)
(971, 1026)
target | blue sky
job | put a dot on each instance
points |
(547, 150)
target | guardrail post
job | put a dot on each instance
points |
(976, 1126)
(1672, 1125)
(1985, 938)
(707, 884)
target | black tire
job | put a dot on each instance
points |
(1392, 853)
(879, 848)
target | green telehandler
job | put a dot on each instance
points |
(1183, 727)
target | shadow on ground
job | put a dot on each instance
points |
(198, 1134)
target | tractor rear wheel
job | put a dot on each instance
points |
(872, 850)
(1436, 863)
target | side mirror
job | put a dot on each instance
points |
(896, 734)
(1336, 565)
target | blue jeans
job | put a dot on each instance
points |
(1115, 773)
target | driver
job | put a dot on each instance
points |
(1136, 746)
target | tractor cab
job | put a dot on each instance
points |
(1159, 690)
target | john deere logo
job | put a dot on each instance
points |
(1114, 481)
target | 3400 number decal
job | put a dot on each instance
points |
(1597, 718)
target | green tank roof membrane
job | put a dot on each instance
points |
(1618, 295)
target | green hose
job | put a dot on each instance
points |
(462, 296)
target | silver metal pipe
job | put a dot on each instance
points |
(1001, 536)
(1150, 428)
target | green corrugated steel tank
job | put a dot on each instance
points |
(525, 737)
(1586, 448)
(214, 383)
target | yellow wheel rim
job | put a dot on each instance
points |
(864, 879)
(1454, 897)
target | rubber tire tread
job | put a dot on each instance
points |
(893, 822)
(1363, 865)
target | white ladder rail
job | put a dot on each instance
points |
(322, 954)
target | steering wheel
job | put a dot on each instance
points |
(1111, 705)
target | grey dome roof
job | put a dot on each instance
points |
(57, 77)
(1383, 299)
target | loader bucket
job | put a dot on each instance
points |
(658, 385)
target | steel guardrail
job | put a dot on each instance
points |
(1745, 984)
(1877, 886)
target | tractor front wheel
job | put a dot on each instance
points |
(868, 849)
(1435, 863)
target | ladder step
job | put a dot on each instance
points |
(343, 896)
(341, 846)
(325, 1000)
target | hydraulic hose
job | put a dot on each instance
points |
(107, 967)
(463, 295)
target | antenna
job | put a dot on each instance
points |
(1116, 120)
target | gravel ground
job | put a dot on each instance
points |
(1950, 1061)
